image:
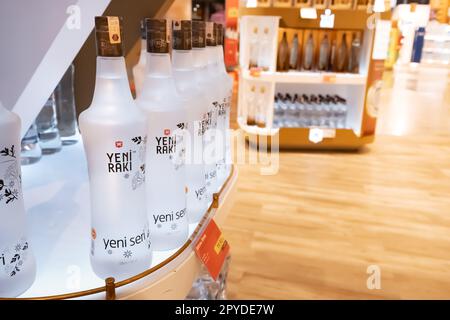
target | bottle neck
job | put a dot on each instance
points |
(143, 55)
(158, 65)
(212, 60)
(183, 70)
(182, 60)
(220, 60)
(200, 57)
(200, 63)
(158, 81)
(111, 82)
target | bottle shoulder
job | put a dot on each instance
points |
(120, 115)
(167, 103)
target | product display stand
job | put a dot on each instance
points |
(56, 190)
(259, 86)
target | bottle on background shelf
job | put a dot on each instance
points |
(265, 50)
(324, 53)
(193, 91)
(223, 116)
(114, 136)
(294, 52)
(283, 54)
(308, 55)
(254, 48)
(65, 108)
(165, 156)
(31, 151)
(341, 111)
(331, 64)
(17, 263)
(342, 55)
(353, 63)
(139, 68)
(47, 127)
(260, 117)
(250, 103)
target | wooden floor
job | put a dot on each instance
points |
(312, 230)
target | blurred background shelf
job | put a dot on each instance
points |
(290, 17)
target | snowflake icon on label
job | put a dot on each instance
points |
(174, 226)
(109, 251)
(127, 254)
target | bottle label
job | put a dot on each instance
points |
(166, 189)
(170, 144)
(10, 178)
(121, 247)
(120, 161)
(13, 258)
(114, 30)
(120, 233)
(210, 147)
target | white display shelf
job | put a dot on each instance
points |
(254, 130)
(56, 192)
(307, 77)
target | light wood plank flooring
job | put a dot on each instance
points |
(312, 230)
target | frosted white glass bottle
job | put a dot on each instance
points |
(114, 137)
(196, 102)
(17, 263)
(166, 116)
(211, 152)
(139, 68)
(223, 116)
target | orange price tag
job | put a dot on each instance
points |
(212, 249)
(329, 78)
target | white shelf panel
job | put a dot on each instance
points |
(308, 77)
(255, 130)
(56, 192)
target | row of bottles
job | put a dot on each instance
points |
(310, 110)
(318, 4)
(154, 162)
(165, 152)
(55, 126)
(319, 50)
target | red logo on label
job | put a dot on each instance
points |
(119, 144)
(166, 132)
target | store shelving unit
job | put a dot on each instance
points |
(56, 190)
(360, 89)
